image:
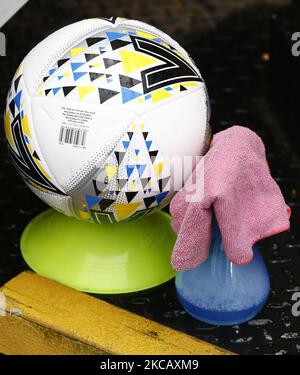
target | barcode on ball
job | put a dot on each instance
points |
(72, 136)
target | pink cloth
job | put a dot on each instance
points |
(239, 190)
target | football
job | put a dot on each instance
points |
(97, 111)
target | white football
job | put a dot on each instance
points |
(95, 113)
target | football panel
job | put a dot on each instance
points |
(185, 121)
(61, 203)
(22, 142)
(131, 181)
(41, 58)
(74, 136)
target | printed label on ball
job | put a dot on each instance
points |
(70, 133)
(75, 116)
(71, 118)
(72, 136)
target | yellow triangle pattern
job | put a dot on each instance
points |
(111, 170)
(84, 91)
(124, 210)
(96, 65)
(158, 169)
(25, 126)
(84, 215)
(133, 61)
(145, 35)
(159, 95)
(76, 51)
(188, 84)
(132, 186)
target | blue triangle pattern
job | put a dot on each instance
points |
(51, 71)
(141, 168)
(17, 99)
(129, 169)
(148, 144)
(161, 196)
(112, 35)
(78, 75)
(55, 90)
(128, 94)
(75, 66)
(126, 144)
(91, 200)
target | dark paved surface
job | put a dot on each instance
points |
(229, 45)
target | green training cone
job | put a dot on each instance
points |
(107, 258)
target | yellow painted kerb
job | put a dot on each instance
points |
(44, 317)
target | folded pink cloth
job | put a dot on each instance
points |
(238, 190)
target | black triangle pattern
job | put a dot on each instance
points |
(105, 94)
(130, 195)
(12, 107)
(16, 83)
(105, 203)
(120, 156)
(94, 40)
(61, 62)
(110, 62)
(94, 76)
(118, 43)
(128, 82)
(68, 89)
(162, 183)
(153, 155)
(90, 56)
(148, 201)
(35, 155)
